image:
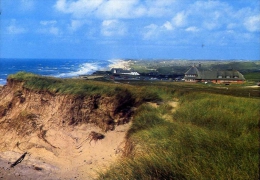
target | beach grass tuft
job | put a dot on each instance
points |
(209, 137)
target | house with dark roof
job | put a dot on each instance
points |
(214, 76)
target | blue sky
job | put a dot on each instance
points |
(107, 29)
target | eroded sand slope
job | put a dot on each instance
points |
(54, 130)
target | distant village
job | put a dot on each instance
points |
(193, 75)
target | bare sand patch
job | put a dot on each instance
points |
(154, 105)
(174, 104)
(67, 155)
(118, 63)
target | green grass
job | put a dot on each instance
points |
(219, 112)
(252, 76)
(209, 137)
(83, 88)
(62, 86)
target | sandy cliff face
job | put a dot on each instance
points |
(44, 108)
(54, 130)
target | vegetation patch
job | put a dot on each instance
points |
(253, 76)
(61, 86)
(209, 137)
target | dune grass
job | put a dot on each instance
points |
(62, 86)
(209, 137)
(80, 87)
(213, 134)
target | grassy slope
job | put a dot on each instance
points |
(210, 136)
(61, 86)
(79, 87)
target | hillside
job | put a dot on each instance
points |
(52, 119)
(84, 129)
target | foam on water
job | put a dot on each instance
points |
(63, 68)
(84, 69)
(2, 81)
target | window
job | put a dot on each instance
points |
(219, 76)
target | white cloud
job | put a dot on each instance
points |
(52, 22)
(160, 8)
(252, 23)
(154, 31)
(209, 15)
(168, 26)
(76, 24)
(113, 28)
(160, 19)
(150, 31)
(115, 9)
(13, 28)
(78, 8)
(120, 9)
(161, 3)
(49, 27)
(192, 29)
(179, 19)
(61, 5)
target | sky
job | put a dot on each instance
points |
(138, 29)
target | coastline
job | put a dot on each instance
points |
(113, 63)
(62, 68)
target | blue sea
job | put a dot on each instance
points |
(63, 68)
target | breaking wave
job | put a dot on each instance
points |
(84, 69)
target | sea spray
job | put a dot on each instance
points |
(84, 69)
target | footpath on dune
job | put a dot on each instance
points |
(56, 131)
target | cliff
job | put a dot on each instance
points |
(33, 109)
(54, 128)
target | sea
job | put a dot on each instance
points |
(62, 68)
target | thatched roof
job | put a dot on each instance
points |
(193, 71)
(213, 75)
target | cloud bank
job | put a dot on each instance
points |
(137, 23)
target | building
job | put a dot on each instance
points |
(215, 76)
(123, 72)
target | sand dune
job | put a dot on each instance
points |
(73, 157)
